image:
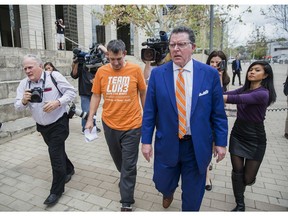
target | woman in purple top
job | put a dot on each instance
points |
(248, 137)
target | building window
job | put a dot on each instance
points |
(100, 34)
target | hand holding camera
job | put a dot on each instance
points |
(26, 97)
(34, 95)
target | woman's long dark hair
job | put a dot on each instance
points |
(51, 65)
(267, 83)
(225, 76)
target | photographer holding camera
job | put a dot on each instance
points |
(60, 27)
(47, 103)
(85, 80)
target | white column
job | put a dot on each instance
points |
(31, 26)
(110, 33)
(139, 38)
(84, 23)
(49, 16)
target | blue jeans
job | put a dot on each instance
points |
(85, 105)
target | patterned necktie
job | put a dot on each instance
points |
(181, 103)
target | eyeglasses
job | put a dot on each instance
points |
(180, 45)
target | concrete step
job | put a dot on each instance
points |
(8, 89)
(14, 129)
(8, 112)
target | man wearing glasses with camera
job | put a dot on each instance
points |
(185, 103)
(47, 102)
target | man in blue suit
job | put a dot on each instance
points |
(236, 69)
(206, 121)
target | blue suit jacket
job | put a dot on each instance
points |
(207, 114)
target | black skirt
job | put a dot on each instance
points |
(248, 140)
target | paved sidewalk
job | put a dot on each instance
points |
(25, 174)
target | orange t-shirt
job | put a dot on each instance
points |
(120, 90)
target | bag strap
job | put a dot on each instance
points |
(55, 83)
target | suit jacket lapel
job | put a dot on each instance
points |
(198, 77)
(169, 83)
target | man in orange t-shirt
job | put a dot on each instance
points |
(121, 83)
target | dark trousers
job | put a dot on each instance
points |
(166, 178)
(54, 136)
(237, 72)
(124, 148)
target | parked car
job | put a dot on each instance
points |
(283, 59)
(275, 59)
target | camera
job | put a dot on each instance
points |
(74, 111)
(157, 48)
(57, 22)
(92, 59)
(36, 95)
(221, 65)
(77, 53)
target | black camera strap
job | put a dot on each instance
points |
(55, 83)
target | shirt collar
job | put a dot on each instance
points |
(41, 78)
(188, 67)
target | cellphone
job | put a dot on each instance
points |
(221, 65)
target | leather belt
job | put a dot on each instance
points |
(186, 137)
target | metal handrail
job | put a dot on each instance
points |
(79, 45)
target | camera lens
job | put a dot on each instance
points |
(36, 95)
(148, 54)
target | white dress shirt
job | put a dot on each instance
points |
(67, 95)
(188, 79)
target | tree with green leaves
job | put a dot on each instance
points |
(152, 18)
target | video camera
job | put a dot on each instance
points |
(92, 59)
(157, 48)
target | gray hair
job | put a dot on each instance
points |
(33, 57)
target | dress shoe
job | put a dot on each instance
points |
(208, 187)
(286, 135)
(126, 208)
(69, 176)
(167, 201)
(52, 199)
